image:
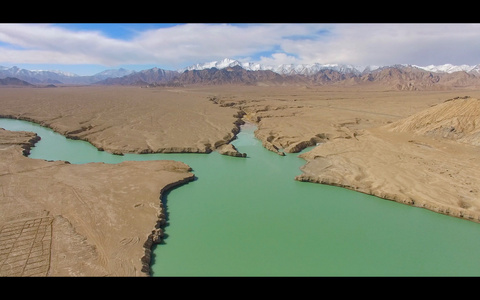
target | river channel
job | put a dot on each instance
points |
(249, 217)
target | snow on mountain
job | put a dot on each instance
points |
(39, 76)
(55, 76)
(58, 72)
(107, 73)
(309, 69)
(226, 62)
(114, 73)
(284, 69)
(447, 68)
(475, 70)
(370, 68)
(16, 71)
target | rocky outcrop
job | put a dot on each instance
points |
(270, 146)
(230, 150)
(25, 139)
(157, 234)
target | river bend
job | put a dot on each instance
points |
(249, 217)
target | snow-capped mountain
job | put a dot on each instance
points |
(226, 62)
(310, 69)
(58, 72)
(284, 69)
(475, 70)
(113, 73)
(54, 76)
(156, 75)
(398, 76)
(447, 68)
(37, 76)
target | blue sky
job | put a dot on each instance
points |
(89, 48)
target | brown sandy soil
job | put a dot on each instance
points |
(97, 219)
(440, 175)
(377, 141)
(292, 118)
(361, 145)
(59, 219)
(126, 119)
(430, 160)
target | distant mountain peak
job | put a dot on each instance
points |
(309, 69)
(224, 63)
(447, 68)
(284, 69)
(313, 73)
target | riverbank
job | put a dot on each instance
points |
(355, 146)
(123, 120)
(240, 229)
(355, 149)
(288, 119)
(96, 219)
(428, 160)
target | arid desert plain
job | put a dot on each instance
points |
(420, 148)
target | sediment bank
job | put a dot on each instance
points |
(355, 152)
(437, 174)
(223, 146)
(127, 119)
(157, 234)
(101, 215)
(356, 148)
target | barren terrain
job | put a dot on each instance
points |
(126, 119)
(419, 147)
(60, 219)
(370, 140)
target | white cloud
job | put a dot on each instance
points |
(41, 43)
(182, 45)
(387, 44)
(206, 42)
(177, 45)
(279, 59)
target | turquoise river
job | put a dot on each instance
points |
(249, 217)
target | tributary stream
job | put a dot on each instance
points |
(249, 217)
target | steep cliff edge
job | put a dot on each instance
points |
(92, 219)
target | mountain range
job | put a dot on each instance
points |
(58, 77)
(229, 71)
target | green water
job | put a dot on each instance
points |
(249, 217)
